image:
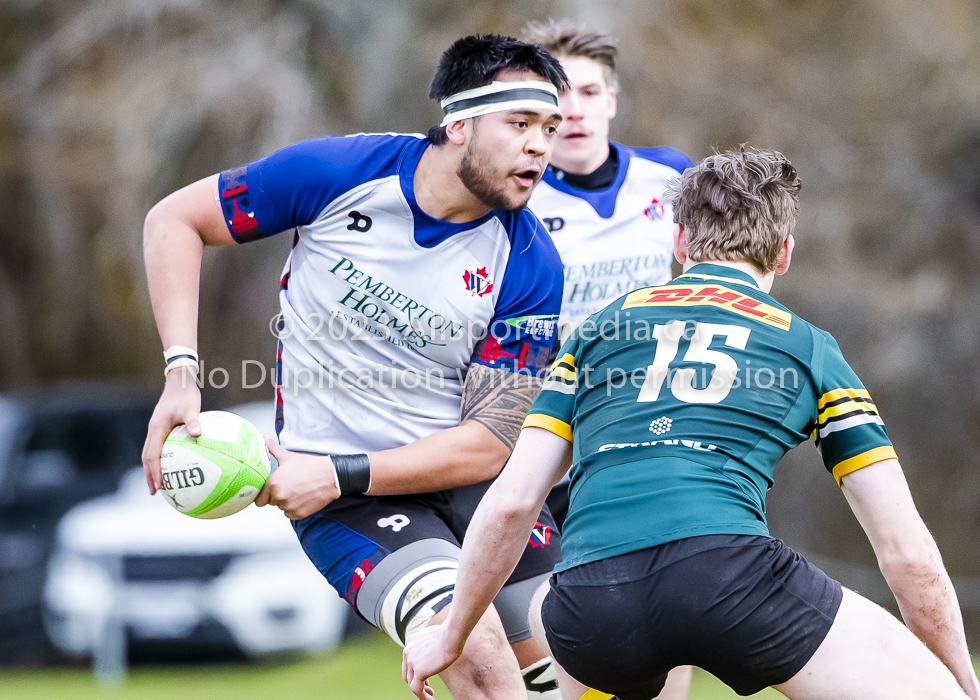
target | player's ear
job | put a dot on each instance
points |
(456, 132)
(785, 255)
(680, 244)
(613, 105)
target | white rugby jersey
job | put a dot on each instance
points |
(615, 240)
(384, 307)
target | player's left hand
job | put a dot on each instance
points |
(302, 485)
(426, 653)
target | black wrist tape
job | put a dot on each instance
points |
(353, 473)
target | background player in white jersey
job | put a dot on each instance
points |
(418, 303)
(602, 202)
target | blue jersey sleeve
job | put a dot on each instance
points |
(290, 187)
(525, 321)
(665, 156)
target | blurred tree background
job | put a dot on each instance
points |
(108, 105)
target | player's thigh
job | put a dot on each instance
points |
(601, 634)
(570, 688)
(543, 549)
(513, 604)
(368, 547)
(870, 655)
(541, 553)
(534, 616)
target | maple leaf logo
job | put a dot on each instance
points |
(478, 282)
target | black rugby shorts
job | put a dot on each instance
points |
(348, 538)
(745, 608)
(557, 502)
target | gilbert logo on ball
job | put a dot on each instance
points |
(218, 473)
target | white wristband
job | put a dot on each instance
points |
(181, 362)
(175, 351)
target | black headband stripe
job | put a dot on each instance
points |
(505, 96)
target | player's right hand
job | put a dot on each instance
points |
(427, 652)
(301, 485)
(179, 403)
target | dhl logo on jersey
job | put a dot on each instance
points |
(710, 295)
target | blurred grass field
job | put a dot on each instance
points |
(366, 668)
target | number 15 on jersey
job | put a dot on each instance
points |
(723, 373)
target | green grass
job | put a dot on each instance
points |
(368, 668)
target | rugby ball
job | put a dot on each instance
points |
(218, 473)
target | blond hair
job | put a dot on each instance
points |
(737, 206)
(564, 38)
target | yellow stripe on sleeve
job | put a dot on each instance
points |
(552, 425)
(847, 407)
(865, 459)
(567, 359)
(839, 394)
(563, 373)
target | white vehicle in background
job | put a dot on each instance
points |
(130, 561)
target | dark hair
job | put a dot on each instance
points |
(475, 61)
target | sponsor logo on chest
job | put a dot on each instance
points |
(393, 315)
(655, 212)
(478, 283)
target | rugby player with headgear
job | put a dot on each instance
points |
(419, 303)
(673, 406)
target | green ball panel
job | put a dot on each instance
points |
(242, 449)
(233, 504)
(256, 457)
(260, 473)
(229, 468)
(231, 483)
(246, 448)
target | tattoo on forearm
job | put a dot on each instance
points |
(498, 400)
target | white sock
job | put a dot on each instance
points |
(541, 680)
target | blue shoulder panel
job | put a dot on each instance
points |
(290, 187)
(665, 156)
(525, 320)
(603, 201)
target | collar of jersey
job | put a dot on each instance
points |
(720, 273)
(429, 231)
(603, 201)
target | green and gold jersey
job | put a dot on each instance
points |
(679, 401)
